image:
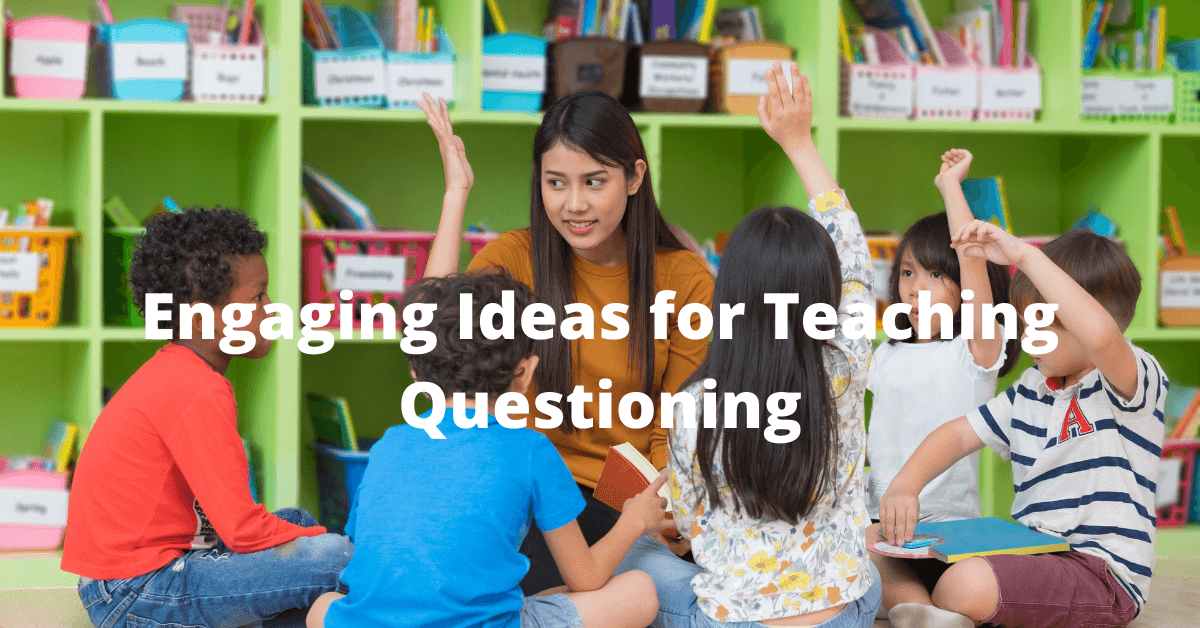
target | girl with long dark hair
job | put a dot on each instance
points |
(775, 509)
(595, 237)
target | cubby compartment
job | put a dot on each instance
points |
(45, 381)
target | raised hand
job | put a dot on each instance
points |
(984, 239)
(786, 115)
(459, 176)
(956, 163)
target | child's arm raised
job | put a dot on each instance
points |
(586, 568)
(1081, 315)
(443, 255)
(900, 506)
(973, 270)
(787, 117)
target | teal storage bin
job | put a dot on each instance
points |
(411, 73)
(514, 72)
(353, 76)
(143, 59)
(339, 472)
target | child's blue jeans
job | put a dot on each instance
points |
(678, 607)
(218, 588)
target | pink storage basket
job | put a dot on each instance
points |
(1176, 514)
(479, 240)
(48, 57)
(320, 250)
(221, 72)
(951, 91)
(894, 69)
(27, 498)
(1010, 94)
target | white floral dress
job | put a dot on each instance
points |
(758, 569)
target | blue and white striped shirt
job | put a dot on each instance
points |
(1085, 463)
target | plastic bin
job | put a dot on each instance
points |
(353, 76)
(478, 240)
(1010, 94)
(330, 259)
(1176, 514)
(411, 73)
(339, 472)
(514, 72)
(118, 301)
(672, 76)
(879, 90)
(583, 64)
(41, 520)
(143, 59)
(48, 57)
(31, 276)
(221, 72)
(738, 72)
(951, 91)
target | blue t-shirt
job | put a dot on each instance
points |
(437, 524)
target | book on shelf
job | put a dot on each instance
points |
(336, 201)
(61, 444)
(625, 474)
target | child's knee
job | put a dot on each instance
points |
(316, 614)
(969, 588)
(638, 587)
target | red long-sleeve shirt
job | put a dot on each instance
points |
(164, 471)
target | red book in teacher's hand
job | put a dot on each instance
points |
(626, 473)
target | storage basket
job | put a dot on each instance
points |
(41, 520)
(671, 75)
(32, 262)
(352, 76)
(737, 74)
(879, 90)
(48, 57)
(119, 308)
(583, 64)
(514, 72)
(143, 59)
(947, 92)
(221, 72)
(409, 74)
(1010, 94)
(339, 472)
(336, 259)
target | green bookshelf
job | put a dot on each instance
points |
(709, 171)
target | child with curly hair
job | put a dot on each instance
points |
(161, 527)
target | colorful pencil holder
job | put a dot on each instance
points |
(737, 74)
(221, 71)
(1010, 94)
(119, 308)
(950, 91)
(48, 57)
(514, 72)
(1128, 96)
(324, 255)
(144, 59)
(352, 76)
(32, 262)
(1187, 97)
(409, 74)
(33, 509)
(879, 90)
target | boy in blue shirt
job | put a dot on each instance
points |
(437, 523)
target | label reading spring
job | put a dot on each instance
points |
(514, 73)
(365, 273)
(674, 77)
(19, 272)
(346, 78)
(33, 507)
(149, 60)
(1180, 290)
(406, 81)
(49, 59)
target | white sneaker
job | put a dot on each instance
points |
(912, 615)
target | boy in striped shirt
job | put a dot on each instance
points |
(1084, 431)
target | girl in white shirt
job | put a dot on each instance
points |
(922, 382)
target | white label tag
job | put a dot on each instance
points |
(227, 72)
(674, 77)
(883, 272)
(365, 273)
(947, 90)
(352, 77)
(19, 272)
(406, 81)
(876, 96)
(50, 59)
(1099, 96)
(1010, 91)
(1180, 290)
(33, 507)
(749, 76)
(514, 73)
(1153, 95)
(149, 60)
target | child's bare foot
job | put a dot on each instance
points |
(913, 615)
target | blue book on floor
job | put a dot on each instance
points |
(987, 537)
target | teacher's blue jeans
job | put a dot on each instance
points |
(678, 607)
(218, 588)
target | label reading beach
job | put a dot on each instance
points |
(749, 76)
(1099, 96)
(49, 59)
(514, 73)
(1007, 90)
(362, 273)
(33, 507)
(406, 81)
(348, 78)
(1180, 290)
(228, 74)
(19, 272)
(149, 60)
(674, 77)
(947, 90)
(1153, 95)
(877, 96)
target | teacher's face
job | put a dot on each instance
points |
(585, 201)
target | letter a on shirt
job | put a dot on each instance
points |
(1074, 418)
